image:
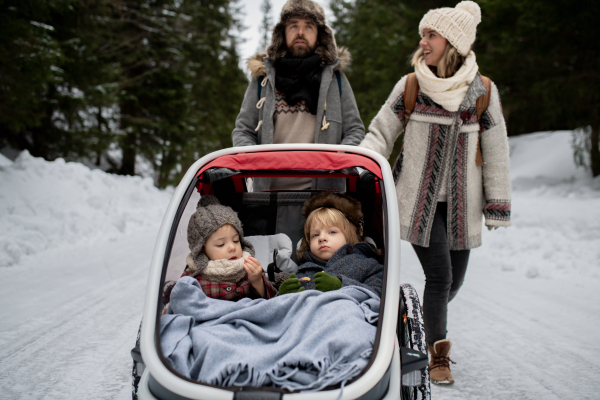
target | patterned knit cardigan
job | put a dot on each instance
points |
(436, 141)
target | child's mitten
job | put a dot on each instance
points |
(290, 285)
(325, 282)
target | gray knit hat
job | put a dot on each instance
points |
(210, 215)
(311, 11)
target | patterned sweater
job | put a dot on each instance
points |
(436, 142)
(292, 125)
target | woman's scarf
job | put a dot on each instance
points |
(222, 270)
(299, 79)
(447, 92)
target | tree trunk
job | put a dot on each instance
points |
(595, 151)
(129, 147)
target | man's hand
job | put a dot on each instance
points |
(325, 282)
(290, 285)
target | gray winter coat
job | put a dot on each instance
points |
(340, 123)
(352, 264)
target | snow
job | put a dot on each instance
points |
(75, 244)
(46, 205)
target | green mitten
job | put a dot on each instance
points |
(325, 282)
(290, 285)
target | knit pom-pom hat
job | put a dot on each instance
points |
(458, 25)
(210, 215)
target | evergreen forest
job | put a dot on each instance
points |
(156, 84)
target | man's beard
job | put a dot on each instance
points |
(302, 51)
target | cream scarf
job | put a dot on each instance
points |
(447, 92)
(221, 270)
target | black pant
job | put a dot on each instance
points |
(444, 275)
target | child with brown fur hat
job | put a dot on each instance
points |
(333, 249)
(221, 259)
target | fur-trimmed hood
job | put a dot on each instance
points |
(256, 63)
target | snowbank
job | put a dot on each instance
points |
(4, 162)
(555, 212)
(54, 204)
(543, 161)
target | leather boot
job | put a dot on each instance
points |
(439, 363)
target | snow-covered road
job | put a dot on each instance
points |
(526, 324)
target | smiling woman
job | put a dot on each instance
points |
(433, 46)
(451, 121)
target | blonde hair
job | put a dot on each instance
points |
(450, 62)
(323, 216)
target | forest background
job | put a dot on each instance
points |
(149, 86)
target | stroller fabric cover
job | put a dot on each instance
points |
(301, 341)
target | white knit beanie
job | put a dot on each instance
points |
(458, 25)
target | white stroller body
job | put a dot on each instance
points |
(397, 368)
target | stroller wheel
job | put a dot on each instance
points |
(411, 334)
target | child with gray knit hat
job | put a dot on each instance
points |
(221, 259)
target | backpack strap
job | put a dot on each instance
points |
(411, 90)
(482, 104)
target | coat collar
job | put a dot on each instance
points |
(476, 89)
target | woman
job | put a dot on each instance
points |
(442, 191)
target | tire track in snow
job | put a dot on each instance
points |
(81, 350)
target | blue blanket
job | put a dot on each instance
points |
(300, 341)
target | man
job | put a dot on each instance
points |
(298, 93)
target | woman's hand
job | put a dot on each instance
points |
(325, 282)
(290, 285)
(255, 271)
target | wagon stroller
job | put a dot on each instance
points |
(397, 366)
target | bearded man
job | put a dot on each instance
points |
(298, 92)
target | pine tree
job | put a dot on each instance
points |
(181, 88)
(266, 26)
(540, 56)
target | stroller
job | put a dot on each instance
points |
(397, 367)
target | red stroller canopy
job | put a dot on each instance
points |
(291, 159)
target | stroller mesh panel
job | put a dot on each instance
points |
(268, 213)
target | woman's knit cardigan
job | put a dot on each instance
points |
(436, 141)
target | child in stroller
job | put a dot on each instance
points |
(397, 365)
(221, 259)
(333, 249)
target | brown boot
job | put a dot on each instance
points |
(439, 363)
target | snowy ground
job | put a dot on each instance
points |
(75, 245)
